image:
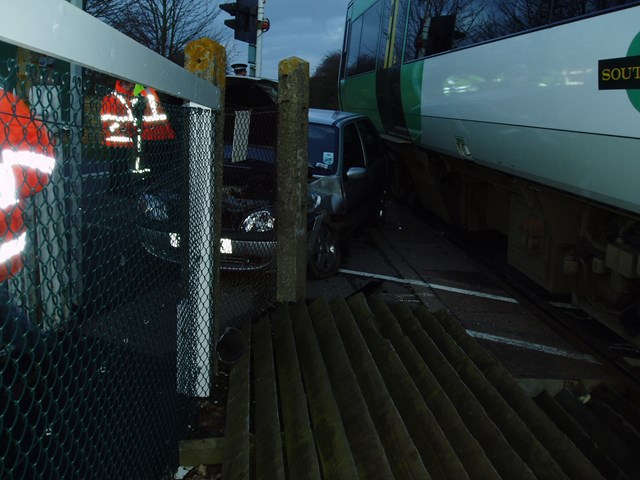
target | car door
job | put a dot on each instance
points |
(354, 168)
(374, 159)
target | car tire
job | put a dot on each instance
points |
(324, 259)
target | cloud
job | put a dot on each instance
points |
(305, 30)
(301, 37)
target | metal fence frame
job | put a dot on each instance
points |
(59, 29)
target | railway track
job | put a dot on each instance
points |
(595, 394)
(585, 333)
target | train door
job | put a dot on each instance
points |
(388, 87)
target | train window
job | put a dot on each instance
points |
(435, 27)
(567, 9)
(363, 41)
(354, 46)
(390, 53)
(438, 26)
(508, 17)
(501, 17)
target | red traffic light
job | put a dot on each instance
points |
(264, 25)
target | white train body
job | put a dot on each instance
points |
(565, 133)
(532, 131)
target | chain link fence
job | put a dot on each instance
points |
(248, 250)
(107, 283)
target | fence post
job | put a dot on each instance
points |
(206, 59)
(49, 285)
(293, 106)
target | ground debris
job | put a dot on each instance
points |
(211, 413)
(204, 472)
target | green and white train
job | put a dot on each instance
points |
(516, 115)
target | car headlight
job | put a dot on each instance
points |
(153, 207)
(259, 221)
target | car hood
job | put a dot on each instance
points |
(247, 186)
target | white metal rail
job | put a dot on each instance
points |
(61, 30)
(58, 29)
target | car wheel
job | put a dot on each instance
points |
(324, 259)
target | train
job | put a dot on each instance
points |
(518, 116)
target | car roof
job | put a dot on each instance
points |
(251, 92)
(262, 92)
(331, 117)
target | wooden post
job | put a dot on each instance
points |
(293, 107)
(206, 59)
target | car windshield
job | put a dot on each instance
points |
(323, 149)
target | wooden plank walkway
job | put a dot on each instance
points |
(355, 388)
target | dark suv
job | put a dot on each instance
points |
(347, 171)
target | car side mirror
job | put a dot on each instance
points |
(356, 173)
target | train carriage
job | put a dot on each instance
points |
(516, 115)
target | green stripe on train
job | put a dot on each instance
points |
(359, 95)
(411, 87)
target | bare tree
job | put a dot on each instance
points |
(106, 10)
(507, 17)
(323, 84)
(164, 26)
(465, 15)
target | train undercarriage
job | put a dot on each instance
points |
(568, 245)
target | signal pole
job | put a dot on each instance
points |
(255, 51)
(259, 38)
(248, 25)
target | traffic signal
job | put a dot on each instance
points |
(244, 25)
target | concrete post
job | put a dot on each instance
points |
(293, 107)
(199, 314)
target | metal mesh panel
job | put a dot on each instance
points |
(106, 308)
(248, 249)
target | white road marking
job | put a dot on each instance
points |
(483, 336)
(566, 306)
(434, 286)
(634, 362)
(534, 346)
(409, 298)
